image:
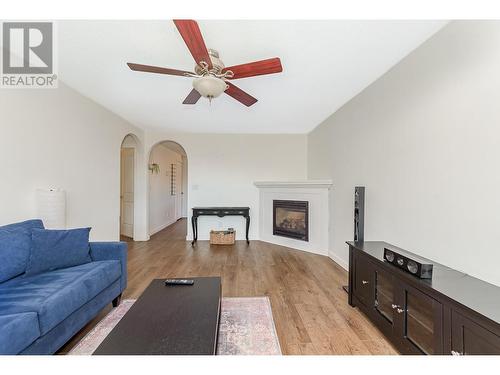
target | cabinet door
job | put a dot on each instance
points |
(363, 280)
(468, 337)
(384, 300)
(420, 321)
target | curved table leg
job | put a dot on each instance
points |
(248, 228)
(194, 223)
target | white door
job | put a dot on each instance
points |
(178, 191)
(184, 187)
(127, 193)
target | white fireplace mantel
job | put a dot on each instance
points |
(320, 184)
(316, 192)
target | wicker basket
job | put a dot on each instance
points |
(222, 237)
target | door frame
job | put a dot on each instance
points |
(130, 140)
(123, 150)
(184, 186)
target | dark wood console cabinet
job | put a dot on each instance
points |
(452, 313)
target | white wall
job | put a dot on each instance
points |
(162, 205)
(223, 168)
(58, 138)
(425, 141)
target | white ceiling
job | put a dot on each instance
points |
(325, 64)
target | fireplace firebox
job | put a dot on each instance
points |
(291, 219)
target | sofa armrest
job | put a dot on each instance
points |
(111, 251)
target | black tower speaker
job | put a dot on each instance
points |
(359, 213)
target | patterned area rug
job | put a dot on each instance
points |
(246, 328)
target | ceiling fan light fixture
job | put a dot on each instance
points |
(210, 87)
(212, 78)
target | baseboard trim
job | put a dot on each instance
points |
(275, 240)
(339, 261)
(161, 227)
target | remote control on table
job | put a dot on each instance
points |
(179, 282)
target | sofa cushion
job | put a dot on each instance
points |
(15, 245)
(55, 249)
(28, 224)
(56, 294)
(14, 252)
(18, 331)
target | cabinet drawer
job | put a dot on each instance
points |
(364, 280)
(468, 337)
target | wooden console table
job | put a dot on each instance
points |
(220, 212)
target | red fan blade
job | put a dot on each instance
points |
(256, 68)
(191, 34)
(157, 69)
(192, 98)
(240, 95)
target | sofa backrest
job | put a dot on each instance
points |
(15, 247)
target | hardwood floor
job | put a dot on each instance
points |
(309, 305)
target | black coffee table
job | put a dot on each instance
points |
(169, 320)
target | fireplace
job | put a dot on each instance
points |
(291, 219)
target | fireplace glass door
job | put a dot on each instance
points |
(291, 219)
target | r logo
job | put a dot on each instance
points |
(28, 48)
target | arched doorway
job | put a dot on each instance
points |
(168, 185)
(128, 185)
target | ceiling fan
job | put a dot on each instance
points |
(211, 76)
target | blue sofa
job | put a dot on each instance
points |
(40, 313)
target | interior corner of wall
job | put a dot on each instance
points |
(341, 262)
